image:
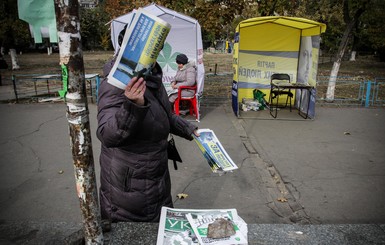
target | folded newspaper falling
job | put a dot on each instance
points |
(143, 40)
(175, 227)
(214, 152)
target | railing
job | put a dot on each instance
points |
(349, 91)
(379, 92)
(354, 91)
(35, 86)
(46, 87)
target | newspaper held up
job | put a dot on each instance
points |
(212, 149)
(175, 229)
(143, 40)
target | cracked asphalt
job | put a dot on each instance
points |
(330, 170)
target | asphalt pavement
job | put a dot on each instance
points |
(292, 172)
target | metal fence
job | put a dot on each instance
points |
(355, 91)
(38, 87)
(379, 92)
(349, 91)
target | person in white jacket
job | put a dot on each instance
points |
(185, 76)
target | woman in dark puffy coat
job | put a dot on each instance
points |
(133, 127)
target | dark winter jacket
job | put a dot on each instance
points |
(135, 180)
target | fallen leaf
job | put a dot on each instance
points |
(182, 195)
(61, 171)
(282, 199)
(346, 133)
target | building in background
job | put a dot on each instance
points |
(88, 3)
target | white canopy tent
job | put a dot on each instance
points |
(185, 37)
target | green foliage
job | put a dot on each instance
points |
(14, 33)
(22, 37)
(372, 25)
(94, 30)
(106, 41)
(331, 14)
(371, 34)
(218, 19)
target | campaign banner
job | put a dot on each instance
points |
(215, 154)
(140, 48)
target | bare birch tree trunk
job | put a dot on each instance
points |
(341, 50)
(15, 64)
(337, 63)
(353, 56)
(332, 82)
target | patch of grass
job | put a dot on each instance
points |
(41, 63)
(365, 66)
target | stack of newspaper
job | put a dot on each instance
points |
(214, 152)
(142, 42)
(189, 226)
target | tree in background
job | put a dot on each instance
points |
(218, 20)
(116, 8)
(353, 9)
(371, 35)
(94, 30)
(14, 33)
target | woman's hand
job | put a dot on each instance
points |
(196, 133)
(173, 85)
(135, 90)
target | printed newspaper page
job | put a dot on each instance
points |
(214, 152)
(140, 48)
(175, 229)
(200, 221)
(169, 89)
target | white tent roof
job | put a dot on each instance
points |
(184, 37)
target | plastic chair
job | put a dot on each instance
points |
(276, 91)
(193, 102)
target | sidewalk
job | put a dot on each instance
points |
(298, 182)
(7, 93)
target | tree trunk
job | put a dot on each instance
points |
(355, 43)
(337, 63)
(71, 59)
(353, 56)
(341, 51)
(15, 65)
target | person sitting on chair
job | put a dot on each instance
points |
(185, 76)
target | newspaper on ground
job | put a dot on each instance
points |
(200, 221)
(212, 149)
(175, 229)
(142, 42)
